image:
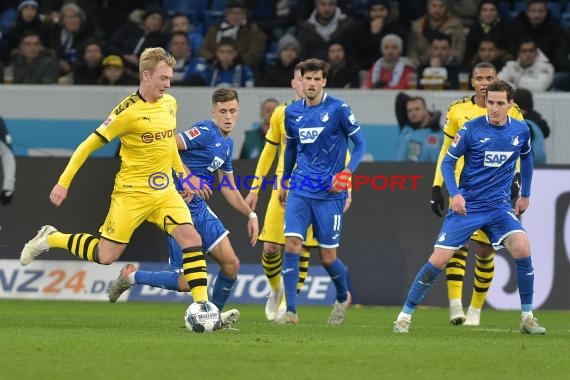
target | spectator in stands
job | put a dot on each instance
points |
(488, 52)
(343, 72)
(392, 71)
(28, 19)
(421, 137)
(112, 15)
(363, 37)
(114, 73)
(489, 25)
(33, 64)
(186, 65)
(68, 36)
(90, 68)
(437, 19)
(288, 53)
(327, 22)
(181, 23)
(440, 58)
(538, 24)
(531, 70)
(539, 129)
(228, 69)
(132, 38)
(249, 39)
(255, 138)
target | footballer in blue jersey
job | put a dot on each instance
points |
(206, 149)
(491, 145)
(318, 128)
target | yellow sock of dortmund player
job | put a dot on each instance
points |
(303, 267)
(195, 272)
(455, 272)
(484, 270)
(271, 263)
(83, 246)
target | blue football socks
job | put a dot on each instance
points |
(420, 287)
(164, 280)
(290, 275)
(222, 289)
(525, 280)
(337, 272)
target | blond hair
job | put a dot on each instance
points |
(151, 57)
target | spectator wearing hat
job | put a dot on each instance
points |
(114, 73)
(392, 71)
(288, 53)
(249, 39)
(326, 23)
(343, 73)
(364, 36)
(90, 68)
(33, 64)
(28, 19)
(132, 38)
(490, 25)
(68, 35)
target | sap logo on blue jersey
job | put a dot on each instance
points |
(309, 135)
(496, 159)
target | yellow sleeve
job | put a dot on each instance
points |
(449, 131)
(273, 137)
(90, 145)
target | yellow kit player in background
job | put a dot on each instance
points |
(272, 233)
(145, 123)
(459, 112)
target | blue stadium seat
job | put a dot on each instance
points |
(554, 8)
(505, 9)
(193, 8)
(218, 5)
(565, 20)
(212, 17)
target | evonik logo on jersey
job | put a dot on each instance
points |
(309, 135)
(496, 159)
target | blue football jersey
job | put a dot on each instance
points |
(490, 158)
(322, 133)
(206, 150)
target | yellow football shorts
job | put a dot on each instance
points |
(128, 210)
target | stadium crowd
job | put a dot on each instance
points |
(380, 44)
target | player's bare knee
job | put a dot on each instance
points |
(483, 250)
(293, 244)
(271, 249)
(327, 256)
(230, 267)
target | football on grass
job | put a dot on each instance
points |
(202, 317)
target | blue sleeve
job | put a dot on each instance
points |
(290, 157)
(352, 128)
(456, 150)
(359, 149)
(248, 78)
(196, 137)
(526, 168)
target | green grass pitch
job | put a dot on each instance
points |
(91, 340)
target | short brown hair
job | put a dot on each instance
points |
(222, 95)
(501, 86)
(314, 64)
